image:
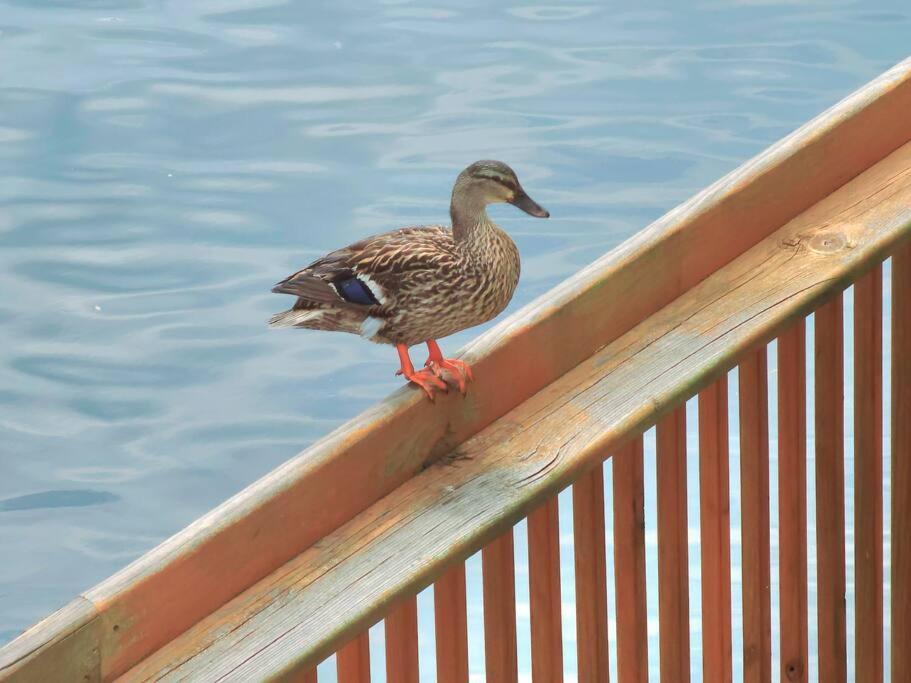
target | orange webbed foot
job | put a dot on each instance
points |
(427, 380)
(459, 370)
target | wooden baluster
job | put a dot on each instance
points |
(544, 593)
(308, 676)
(673, 577)
(901, 465)
(353, 660)
(629, 563)
(591, 577)
(497, 561)
(715, 532)
(402, 642)
(830, 491)
(754, 501)
(868, 475)
(792, 501)
(451, 626)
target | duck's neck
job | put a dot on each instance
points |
(468, 213)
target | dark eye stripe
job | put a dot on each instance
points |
(506, 182)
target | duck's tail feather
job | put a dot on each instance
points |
(298, 318)
(329, 319)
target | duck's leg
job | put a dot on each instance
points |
(459, 369)
(425, 379)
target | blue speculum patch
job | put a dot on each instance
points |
(356, 292)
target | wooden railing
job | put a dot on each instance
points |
(300, 565)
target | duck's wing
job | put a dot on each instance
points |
(366, 273)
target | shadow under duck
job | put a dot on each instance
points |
(419, 284)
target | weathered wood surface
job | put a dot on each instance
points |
(65, 641)
(298, 614)
(353, 660)
(629, 562)
(402, 642)
(590, 555)
(251, 535)
(673, 563)
(715, 532)
(829, 420)
(499, 579)
(868, 474)
(754, 518)
(901, 464)
(544, 592)
(792, 503)
(450, 617)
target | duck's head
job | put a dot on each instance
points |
(493, 182)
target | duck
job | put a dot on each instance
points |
(418, 284)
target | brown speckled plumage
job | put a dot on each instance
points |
(419, 283)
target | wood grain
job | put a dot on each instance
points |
(451, 626)
(673, 574)
(629, 563)
(715, 532)
(792, 502)
(353, 660)
(868, 474)
(398, 546)
(497, 561)
(65, 641)
(252, 535)
(901, 464)
(402, 642)
(829, 420)
(590, 558)
(754, 517)
(544, 592)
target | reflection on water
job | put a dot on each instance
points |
(164, 163)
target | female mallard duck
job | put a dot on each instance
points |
(418, 284)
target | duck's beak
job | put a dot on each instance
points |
(529, 205)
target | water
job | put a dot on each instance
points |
(164, 163)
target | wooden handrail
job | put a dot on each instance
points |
(305, 610)
(115, 625)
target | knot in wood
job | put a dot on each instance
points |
(793, 670)
(828, 242)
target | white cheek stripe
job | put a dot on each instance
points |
(371, 327)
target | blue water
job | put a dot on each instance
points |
(162, 164)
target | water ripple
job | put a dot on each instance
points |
(56, 499)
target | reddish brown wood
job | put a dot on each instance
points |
(792, 501)
(629, 563)
(754, 514)
(673, 576)
(544, 592)
(452, 508)
(402, 642)
(591, 577)
(830, 491)
(451, 626)
(497, 561)
(868, 475)
(353, 660)
(308, 676)
(715, 532)
(901, 464)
